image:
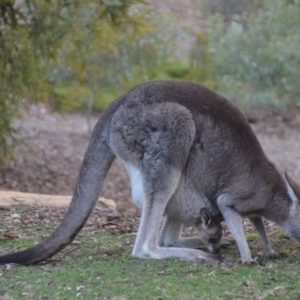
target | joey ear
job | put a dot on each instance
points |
(205, 216)
(293, 189)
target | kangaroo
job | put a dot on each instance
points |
(180, 142)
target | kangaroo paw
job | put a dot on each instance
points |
(253, 262)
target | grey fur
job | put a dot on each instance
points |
(185, 148)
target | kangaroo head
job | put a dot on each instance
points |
(210, 230)
(292, 224)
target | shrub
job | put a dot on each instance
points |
(33, 37)
(257, 55)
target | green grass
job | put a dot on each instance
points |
(98, 265)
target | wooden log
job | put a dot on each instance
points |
(8, 198)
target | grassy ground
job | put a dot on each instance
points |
(98, 265)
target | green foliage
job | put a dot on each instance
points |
(229, 9)
(202, 66)
(76, 52)
(134, 57)
(257, 56)
(38, 37)
(197, 67)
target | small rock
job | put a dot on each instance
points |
(15, 216)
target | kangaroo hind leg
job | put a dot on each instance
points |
(147, 245)
(161, 173)
(156, 139)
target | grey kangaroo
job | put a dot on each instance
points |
(184, 148)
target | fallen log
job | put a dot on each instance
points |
(8, 198)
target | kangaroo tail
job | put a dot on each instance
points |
(97, 160)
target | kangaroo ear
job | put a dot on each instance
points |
(293, 189)
(205, 216)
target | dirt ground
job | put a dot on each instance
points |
(58, 144)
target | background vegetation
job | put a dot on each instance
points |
(257, 54)
(81, 53)
(47, 45)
